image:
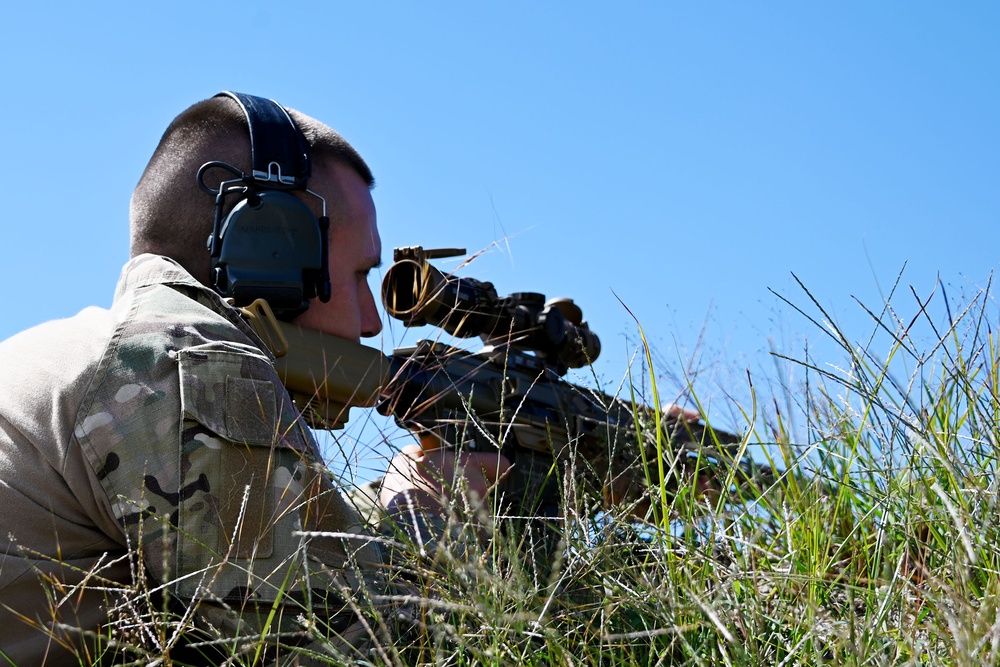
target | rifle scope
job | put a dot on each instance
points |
(417, 293)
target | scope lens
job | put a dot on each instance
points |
(401, 288)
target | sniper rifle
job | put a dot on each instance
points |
(509, 397)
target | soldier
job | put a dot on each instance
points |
(150, 452)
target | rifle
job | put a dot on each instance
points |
(511, 396)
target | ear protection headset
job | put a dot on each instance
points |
(270, 245)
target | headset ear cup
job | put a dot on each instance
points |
(273, 251)
(317, 282)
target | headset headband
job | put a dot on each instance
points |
(274, 158)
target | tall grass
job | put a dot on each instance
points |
(879, 545)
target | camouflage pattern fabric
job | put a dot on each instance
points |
(211, 480)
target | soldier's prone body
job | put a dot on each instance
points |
(151, 446)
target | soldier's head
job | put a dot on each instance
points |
(170, 214)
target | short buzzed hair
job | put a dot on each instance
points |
(170, 215)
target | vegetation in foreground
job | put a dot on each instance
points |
(879, 545)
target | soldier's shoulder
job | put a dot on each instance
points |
(63, 348)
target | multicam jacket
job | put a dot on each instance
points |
(151, 446)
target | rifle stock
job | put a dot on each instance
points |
(324, 375)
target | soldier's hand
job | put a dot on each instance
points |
(674, 413)
(628, 488)
(419, 479)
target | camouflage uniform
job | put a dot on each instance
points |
(156, 438)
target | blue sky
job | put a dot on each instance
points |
(683, 158)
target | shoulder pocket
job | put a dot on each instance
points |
(230, 389)
(251, 485)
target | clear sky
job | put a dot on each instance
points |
(684, 158)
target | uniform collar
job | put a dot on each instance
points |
(146, 270)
